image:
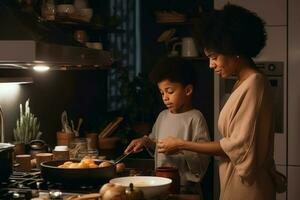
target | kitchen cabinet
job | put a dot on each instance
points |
(293, 182)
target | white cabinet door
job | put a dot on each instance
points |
(294, 83)
(273, 12)
(293, 183)
(276, 46)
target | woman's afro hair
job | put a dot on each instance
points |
(233, 30)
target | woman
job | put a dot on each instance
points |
(230, 39)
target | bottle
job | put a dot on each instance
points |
(48, 10)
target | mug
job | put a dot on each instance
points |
(61, 153)
(188, 47)
(171, 173)
(24, 161)
(43, 157)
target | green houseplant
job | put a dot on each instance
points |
(27, 126)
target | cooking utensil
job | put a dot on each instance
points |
(6, 160)
(79, 124)
(108, 130)
(120, 158)
(77, 176)
(76, 131)
(65, 123)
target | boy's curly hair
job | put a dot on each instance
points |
(174, 69)
(231, 31)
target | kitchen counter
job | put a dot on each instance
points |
(184, 197)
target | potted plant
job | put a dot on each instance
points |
(27, 128)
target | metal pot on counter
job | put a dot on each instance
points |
(6, 160)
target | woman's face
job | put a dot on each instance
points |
(224, 65)
(175, 96)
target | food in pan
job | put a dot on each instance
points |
(120, 167)
(88, 162)
(105, 164)
(84, 163)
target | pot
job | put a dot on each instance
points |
(37, 146)
(6, 160)
(77, 176)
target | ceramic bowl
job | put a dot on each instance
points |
(152, 186)
(65, 9)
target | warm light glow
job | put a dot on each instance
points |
(9, 90)
(41, 68)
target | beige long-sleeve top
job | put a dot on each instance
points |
(246, 125)
(191, 126)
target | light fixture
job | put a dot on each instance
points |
(15, 80)
(41, 68)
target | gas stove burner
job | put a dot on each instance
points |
(18, 194)
(30, 185)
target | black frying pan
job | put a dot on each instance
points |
(86, 176)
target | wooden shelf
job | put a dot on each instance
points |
(78, 24)
(188, 22)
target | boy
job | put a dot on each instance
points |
(176, 80)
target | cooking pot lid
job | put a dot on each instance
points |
(6, 146)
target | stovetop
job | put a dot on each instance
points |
(24, 186)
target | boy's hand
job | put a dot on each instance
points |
(169, 145)
(135, 146)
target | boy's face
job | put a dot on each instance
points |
(175, 96)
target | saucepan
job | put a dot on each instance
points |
(79, 176)
(6, 160)
(76, 176)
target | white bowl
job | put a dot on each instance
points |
(152, 186)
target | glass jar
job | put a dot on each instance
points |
(78, 148)
(48, 10)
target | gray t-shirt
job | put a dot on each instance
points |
(191, 126)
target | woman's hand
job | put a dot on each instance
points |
(135, 146)
(170, 145)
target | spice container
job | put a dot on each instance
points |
(48, 10)
(61, 153)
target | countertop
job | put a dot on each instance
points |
(184, 197)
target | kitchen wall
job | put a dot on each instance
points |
(81, 93)
(293, 99)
